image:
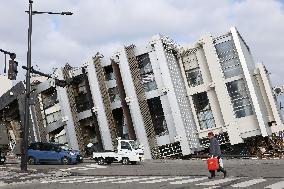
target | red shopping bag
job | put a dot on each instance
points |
(213, 164)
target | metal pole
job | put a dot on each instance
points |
(24, 157)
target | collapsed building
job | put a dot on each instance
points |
(165, 96)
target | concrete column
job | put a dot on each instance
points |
(66, 112)
(156, 64)
(99, 107)
(215, 107)
(134, 104)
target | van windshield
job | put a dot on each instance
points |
(134, 144)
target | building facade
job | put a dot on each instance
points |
(230, 95)
(165, 96)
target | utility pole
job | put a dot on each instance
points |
(24, 146)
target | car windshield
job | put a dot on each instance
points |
(63, 147)
(134, 144)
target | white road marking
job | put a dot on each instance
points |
(163, 180)
(59, 180)
(216, 182)
(278, 185)
(87, 167)
(248, 183)
(3, 183)
(189, 180)
(212, 187)
(110, 180)
(84, 180)
(139, 179)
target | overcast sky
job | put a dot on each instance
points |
(105, 25)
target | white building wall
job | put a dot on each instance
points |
(6, 84)
(99, 106)
(247, 66)
(182, 116)
(66, 112)
(156, 65)
(223, 98)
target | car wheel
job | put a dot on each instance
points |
(101, 161)
(31, 161)
(125, 161)
(65, 161)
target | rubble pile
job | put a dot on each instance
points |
(266, 147)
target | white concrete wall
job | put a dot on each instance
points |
(6, 84)
(98, 104)
(248, 68)
(66, 112)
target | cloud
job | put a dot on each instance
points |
(104, 25)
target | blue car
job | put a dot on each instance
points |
(43, 152)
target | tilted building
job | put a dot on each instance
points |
(162, 95)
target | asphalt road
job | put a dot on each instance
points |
(178, 174)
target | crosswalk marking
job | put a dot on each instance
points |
(278, 185)
(87, 167)
(163, 180)
(59, 180)
(248, 183)
(241, 182)
(3, 183)
(139, 179)
(189, 180)
(111, 180)
(84, 180)
(215, 182)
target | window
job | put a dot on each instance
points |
(194, 77)
(109, 73)
(146, 72)
(157, 115)
(49, 99)
(81, 96)
(113, 94)
(203, 111)
(229, 59)
(125, 145)
(240, 98)
(53, 117)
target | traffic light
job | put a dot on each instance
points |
(13, 69)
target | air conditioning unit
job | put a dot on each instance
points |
(164, 90)
(128, 99)
(86, 64)
(177, 138)
(278, 90)
(95, 109)
(212, 85)
(64, 119)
